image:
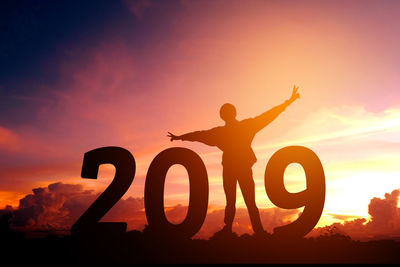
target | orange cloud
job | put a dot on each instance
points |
(10, 198)
(384, 222)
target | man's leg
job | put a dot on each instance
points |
(246, 183)
(229, 182)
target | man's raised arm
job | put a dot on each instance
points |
(267, 117)
(207, 137)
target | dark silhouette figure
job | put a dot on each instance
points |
(234, 139)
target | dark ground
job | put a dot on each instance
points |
(143, 247)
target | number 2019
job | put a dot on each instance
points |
(312, 198)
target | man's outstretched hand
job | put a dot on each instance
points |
(173, 137)
(295, 94)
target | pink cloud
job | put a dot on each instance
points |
(100, 100)
(8, 139)
(138, 7)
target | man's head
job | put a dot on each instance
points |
(228, 112)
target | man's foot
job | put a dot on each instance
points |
(226, 229)
(262, 234)
(225, 232)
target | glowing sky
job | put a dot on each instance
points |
(80, 76)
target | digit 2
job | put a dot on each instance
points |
(125, 168)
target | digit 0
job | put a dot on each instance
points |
(312, 198)
(154, 193)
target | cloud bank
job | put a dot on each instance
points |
(384, 221)
(59, 205)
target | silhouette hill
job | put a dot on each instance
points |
(145, 247)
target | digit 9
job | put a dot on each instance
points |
(312, 198)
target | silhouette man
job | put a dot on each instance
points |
(234, 139)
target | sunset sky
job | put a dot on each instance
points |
(81, 75)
